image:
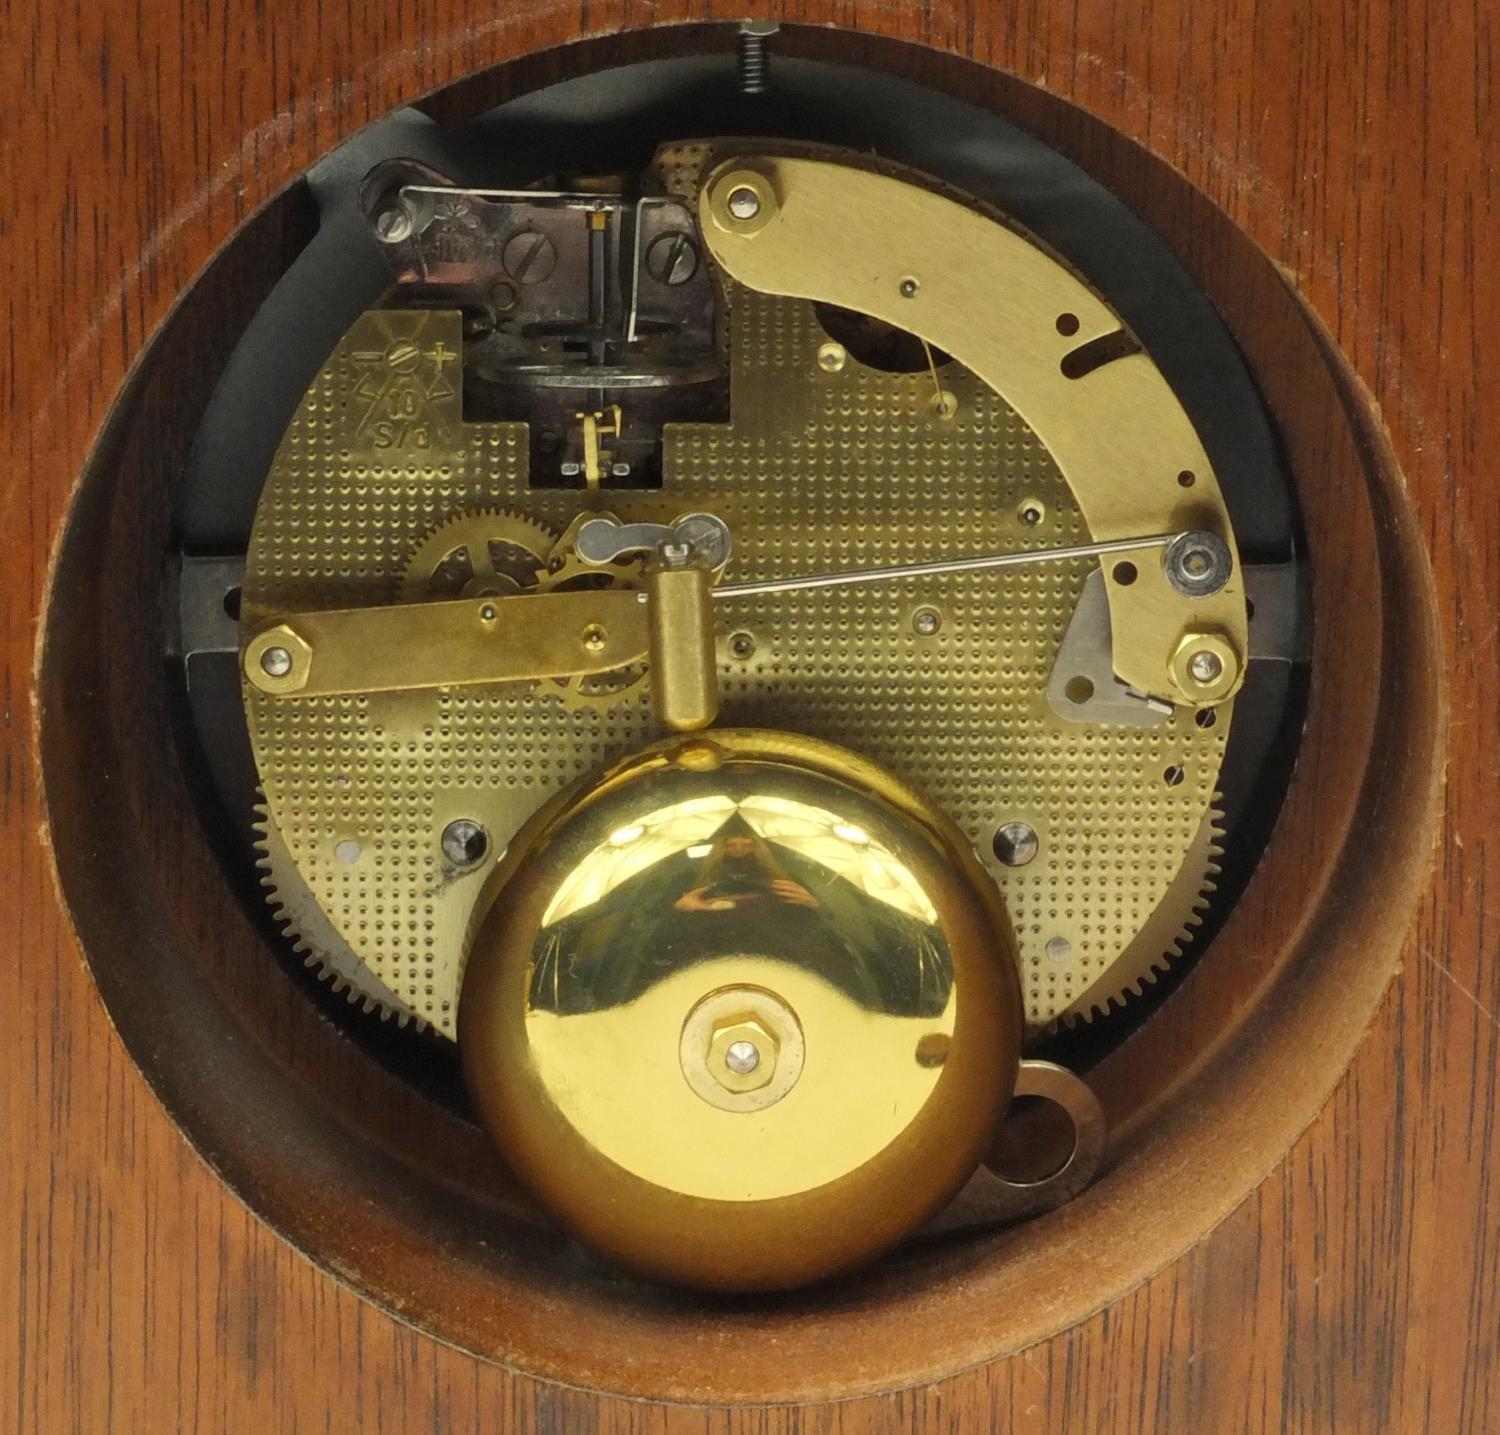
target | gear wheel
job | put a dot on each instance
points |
(1166, 932)
(599, 693)
(313, 936)
(474, 554)
(495, 551)
(478, 554)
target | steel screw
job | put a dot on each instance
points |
(1205, 666)
(464, 842)
(529, 257)
(742, 1057)
(754, 55)
(275, 662)
(672, 259)
(927, 621)
(394, 222)
(744, 203)
(1016, 843)
(1197, 564)
(742, 1054)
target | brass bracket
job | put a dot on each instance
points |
(1008, 311)
(429, 645)
(597, 425)
(516, 638)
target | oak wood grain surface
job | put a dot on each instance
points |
(1357, 1290)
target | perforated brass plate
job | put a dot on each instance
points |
(817, 470)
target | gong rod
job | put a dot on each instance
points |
(981, 564)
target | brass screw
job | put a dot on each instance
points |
(743, 202)
(1205, 666)
(404, 356)
(594, 638)
(741, 1049)
(279, 660)
(832, 357)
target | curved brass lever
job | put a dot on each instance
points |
(1022, 323)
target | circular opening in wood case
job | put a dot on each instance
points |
(371, 1167)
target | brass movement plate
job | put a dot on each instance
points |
(1023, 323)
(817, 470)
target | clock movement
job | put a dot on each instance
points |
(725, 696)
(748, 649)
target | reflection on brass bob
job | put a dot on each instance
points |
(733, 991)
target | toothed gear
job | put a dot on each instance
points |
(496, 551)
(599, 693)
(1166, 931)
(313, 936)
(479, 554)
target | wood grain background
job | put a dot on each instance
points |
(1357, 1290)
